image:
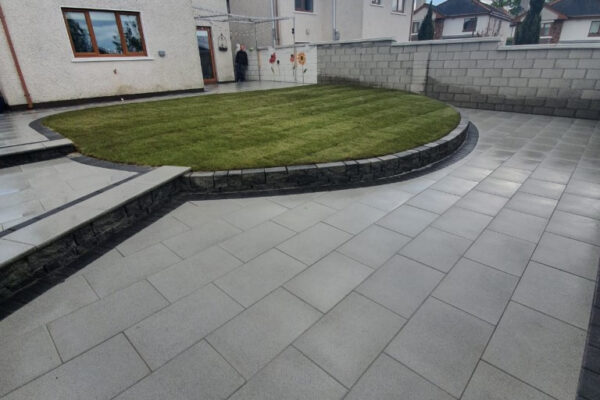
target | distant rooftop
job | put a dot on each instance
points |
(576, 8)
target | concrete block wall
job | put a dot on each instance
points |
(561, 80)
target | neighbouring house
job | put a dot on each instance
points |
(455, 19)
(322, 20)
(76, 50)
(569, 21)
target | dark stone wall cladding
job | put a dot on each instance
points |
(68, 248)
(475, 73)
(11, 160)
(326, 175)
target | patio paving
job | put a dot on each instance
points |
(472, 282)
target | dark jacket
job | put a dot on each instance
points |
(241, 58)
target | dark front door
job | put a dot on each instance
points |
(207, 55)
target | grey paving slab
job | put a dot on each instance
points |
(477, 289)
(304, 216)
(511, 174)
(291, 376)
(490, 383)
(101, 373)
(539, 350)
(570, 255)
(314, 243)
(438, 249)
(194, 272)
(401, 285)
(106, 279)
(260, 211)
(328, 281)
(295, 200)
(257, 240)
(162, 229)
(387, 379)
(471, 173)
(580, 205)
(348, 338)
(386, 198)
(256, 336)
(62, 299)
(462, 222)
(415, 185)
(543, 188)
(26, 357)
(434, 201)
(583, 188)
(90, 325)
(408, 220)
(257, 278)
(196, 213)
(355, 218)
(188, 243)
(374, 246)
(531, 204)
(454, 185)
(501, 251)
(552, 175)
(576, 227)
(519, 225)
(162, 336)
(442, 344)
(483, 203)
(556, 293)
(498, 187)
(198, 373)
(340, 199)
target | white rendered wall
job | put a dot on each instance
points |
(577, 30)
(52, 72)
(223, 59)
(379, 21)
(310, 27)
(284, 71)
(454, 26)
(349, 19)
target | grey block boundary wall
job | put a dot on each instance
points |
(559, 79)
(327, 175)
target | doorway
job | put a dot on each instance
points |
(207, 55)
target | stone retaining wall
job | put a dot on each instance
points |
(559, 80)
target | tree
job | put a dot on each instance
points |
(514, 6)
(528, 31)
(426, 30)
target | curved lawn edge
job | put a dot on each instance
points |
(331, 175)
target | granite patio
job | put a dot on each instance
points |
(475, 281)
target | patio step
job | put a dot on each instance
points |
(57, 240)
(34, 152)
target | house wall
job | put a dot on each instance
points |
(577, 30)
(284, 71)
(453, 27)
(381, 22)
(349, 19)
(562, 80)
(310, 27)
(53, 74)
(223, 59)
(244, 33)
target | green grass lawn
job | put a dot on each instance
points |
(299, 125)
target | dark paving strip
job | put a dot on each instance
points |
(47, 132)
(589, 379)
(59, 275)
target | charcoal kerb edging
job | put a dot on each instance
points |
(330, 175)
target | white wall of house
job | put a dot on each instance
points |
(379, 21)
(349, 19)
(310, 26)
(453, 27)
(577, 30)
(53, 73)
(223, 60)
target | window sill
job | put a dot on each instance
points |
(377, 5)
(304, 12)
(109, 59)
(398, 13)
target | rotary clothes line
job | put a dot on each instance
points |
(210, 16)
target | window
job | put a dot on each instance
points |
(595, 28)
(398, 6)
(415, 27)
(304, 5)
(105, 33)
(545, 29)
(376, 2)
(470, 24)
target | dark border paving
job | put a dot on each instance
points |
(589, 380)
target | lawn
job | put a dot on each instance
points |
(299, 125)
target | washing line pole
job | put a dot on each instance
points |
(294, 44)
(257, 52)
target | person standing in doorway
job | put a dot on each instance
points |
(241, 64)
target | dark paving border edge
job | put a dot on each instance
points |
(71, 253)
(589, 378)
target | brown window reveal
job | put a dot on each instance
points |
(102, 33)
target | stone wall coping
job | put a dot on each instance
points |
(327, 175)
(328, 43)
(555, 46)
(31, 152)
(448, 41)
